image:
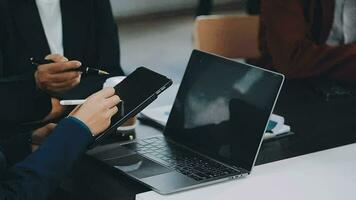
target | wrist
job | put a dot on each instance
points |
(79, 121)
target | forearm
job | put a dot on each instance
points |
(39, 174)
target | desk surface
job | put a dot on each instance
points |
(323, 175)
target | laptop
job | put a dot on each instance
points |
(214, 130)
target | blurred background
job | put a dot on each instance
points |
(158, 34)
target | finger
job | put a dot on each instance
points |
(105, 93)
(62, 89)
(49, 128)
(34, 147)
(56, 58)
(68, 84)
(63, 77)
(112, 101)
(113, 111)
(65, 82)
(54, 68)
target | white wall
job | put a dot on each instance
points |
(125, 8)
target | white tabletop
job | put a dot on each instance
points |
(326, 175)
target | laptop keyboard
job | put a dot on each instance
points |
(182, 160)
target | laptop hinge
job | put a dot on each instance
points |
(244, 171)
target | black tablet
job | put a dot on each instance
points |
(136, 91)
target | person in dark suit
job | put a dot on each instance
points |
(88, 33)
(28, 99)
(82, 30)
(26, 175)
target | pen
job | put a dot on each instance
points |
(76, 102)
(86, 70)
(72, 102)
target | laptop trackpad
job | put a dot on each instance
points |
(137, 166)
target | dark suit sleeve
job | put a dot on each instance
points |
(39, 174)
(107, 38)
(17, 148)
(21, 101)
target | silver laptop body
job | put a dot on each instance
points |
(214, 131)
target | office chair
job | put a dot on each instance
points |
(232, 36)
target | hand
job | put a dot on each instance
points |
(97, 111)
(57, 110)
(40, 134)
(58, 76)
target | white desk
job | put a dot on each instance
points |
(325, 175)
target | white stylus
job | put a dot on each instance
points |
(72, 102)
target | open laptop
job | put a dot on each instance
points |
(214, 131)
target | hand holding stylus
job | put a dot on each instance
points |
(97, 110)
(85, 70)
(59, 75)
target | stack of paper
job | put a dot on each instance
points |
(276, 127)
(158, 115)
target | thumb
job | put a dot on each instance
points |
(56, 58)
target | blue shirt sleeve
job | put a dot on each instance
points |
(39, 174)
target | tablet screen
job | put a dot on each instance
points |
(136, 91)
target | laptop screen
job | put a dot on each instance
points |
(222, 108)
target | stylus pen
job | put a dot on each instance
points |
(82, 101)
(86, 70)
(72, 102)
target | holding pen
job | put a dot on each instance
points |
(85, 70)
(58, 75)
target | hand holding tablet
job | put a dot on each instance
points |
(137, 91)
